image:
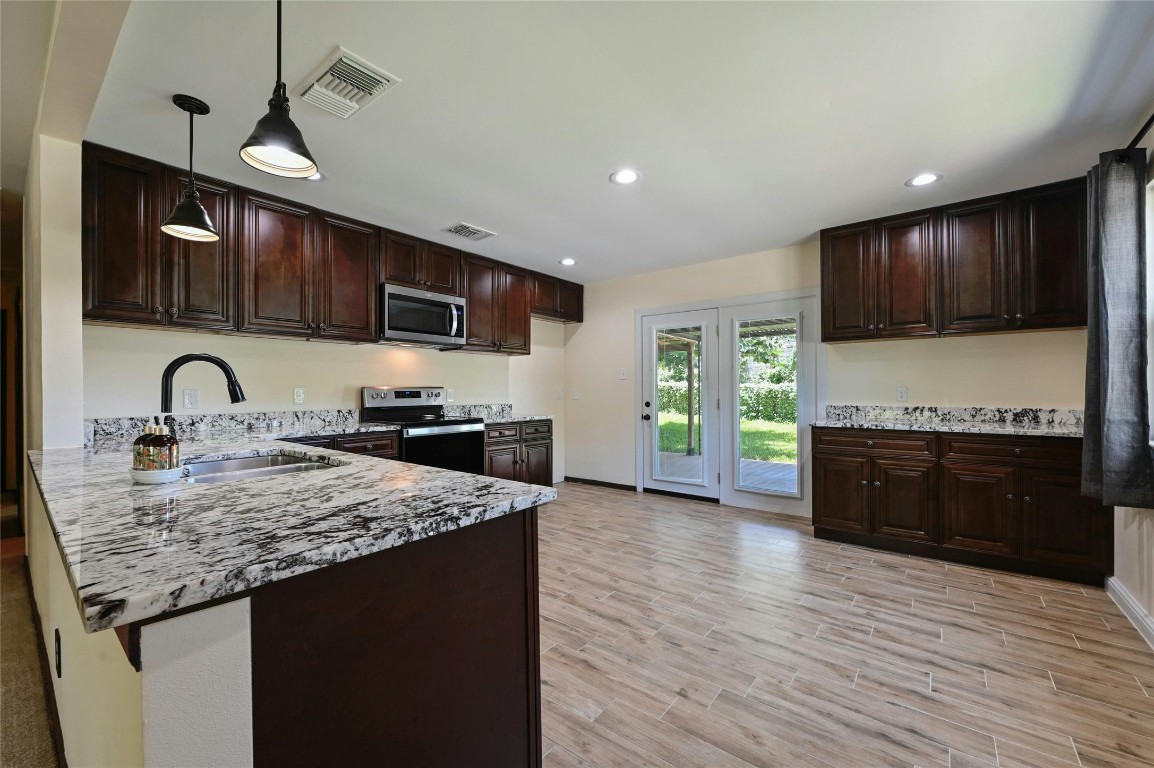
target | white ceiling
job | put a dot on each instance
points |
(754, 124)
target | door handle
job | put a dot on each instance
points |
(646, 417)
(452, 320)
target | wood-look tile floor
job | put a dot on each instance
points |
(683, 633)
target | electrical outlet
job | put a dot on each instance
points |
(576, 396)
(191, 399)
(450, 395)
(299, 396)
(560, 395)
(903, 394)
(624, 375)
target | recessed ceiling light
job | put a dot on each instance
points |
(923, 179)
(568, 262)
(624, 176)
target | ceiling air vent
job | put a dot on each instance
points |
(344, 83)
(468, 231)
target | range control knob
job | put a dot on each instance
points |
(376, 395)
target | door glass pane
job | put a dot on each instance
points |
(767, 394)
(678, 366)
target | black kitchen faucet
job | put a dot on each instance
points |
(235, 393)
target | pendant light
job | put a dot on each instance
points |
(189, 220)
(276, 145)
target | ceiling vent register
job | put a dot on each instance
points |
(344, 83)
(469, 232)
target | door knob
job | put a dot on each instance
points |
(646, 403)
(646, 417)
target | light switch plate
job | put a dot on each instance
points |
(624, 375)
(903, 394)
(299, 396)
(575, 395)
(191, 399)
(450, 395)
(560, 394)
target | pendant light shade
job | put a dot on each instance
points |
(189, 220)
(276, 145)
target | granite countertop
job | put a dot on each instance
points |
(519, 417)
(985, 428)
(134, 552)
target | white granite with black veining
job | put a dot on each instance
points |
(519, 417)
(494, 413)
(134, 552)
(1042, 422)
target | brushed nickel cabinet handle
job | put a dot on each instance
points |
(173, 311)
(1026, 499)
(1009, 497)
(869, 443)
(1018, 451)
(877, 483)
(158, 310)
(865, 482)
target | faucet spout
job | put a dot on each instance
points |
(235, 393)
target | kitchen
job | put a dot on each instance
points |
(585, 375)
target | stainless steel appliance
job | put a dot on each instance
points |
(421, 318)
(427, 436)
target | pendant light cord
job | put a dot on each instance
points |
(191, 175)
(278, 3)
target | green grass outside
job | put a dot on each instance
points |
(760, 440)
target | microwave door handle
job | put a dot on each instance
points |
(452, 320)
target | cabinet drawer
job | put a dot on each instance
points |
(875, 442)
(502, 432)
(1048, 450)
(380, 443)
(311, 442)
(533, 429)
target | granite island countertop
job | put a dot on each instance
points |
(135, 552)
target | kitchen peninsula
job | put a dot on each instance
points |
(337, 616)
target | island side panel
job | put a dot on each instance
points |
(425, 654)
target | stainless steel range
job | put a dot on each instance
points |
(427, 436)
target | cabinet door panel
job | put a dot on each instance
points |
(538, 463)
(514, 311)
(907, 275)
(442, 269)
(480, 283)
(122, 254)
(1059, 524)
(348, 279)
(276, 267)
(545, 295)
(979, 510)
(501, 461)
(1050, 255)
(841, 495)
(904, 499)
(402, 258)
(570, 301)
(202, 276)
(847, 283)
(976, 265)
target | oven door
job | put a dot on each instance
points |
(459, 447)
(421, 317)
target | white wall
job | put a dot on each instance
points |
(122, 368)
(537, 384)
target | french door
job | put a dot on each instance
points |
(728, 394)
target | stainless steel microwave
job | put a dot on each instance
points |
(413, 316)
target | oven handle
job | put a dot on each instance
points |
(444, 429)
(452, 310)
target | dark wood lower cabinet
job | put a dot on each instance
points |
(422, 655)
(995, 501)
(520, 451)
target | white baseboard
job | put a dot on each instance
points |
(1141, 620)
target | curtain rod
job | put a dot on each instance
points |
(1124, 155)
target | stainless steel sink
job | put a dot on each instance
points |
(227, 470)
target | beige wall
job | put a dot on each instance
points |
(123, 365)
(1134, 554)
(1041, 370)
(537, 384)
(600, 427)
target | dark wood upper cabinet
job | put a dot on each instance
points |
(976, 265)
(482, 312)
(546, 295)
(442, 269)
(906, 271)
(419, 264)
(122, 257)
(571, 302)
(276, 266)
(513, 287)
(847, 283)
(202, 276)
(1050, 255)
(348, 278)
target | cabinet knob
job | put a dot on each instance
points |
(500, 346)
(1017, 451)
(865, 482)
(1026, 499)
(877, 483)
(158, 310)
(312, 326)
(1009, 497)
(1018, 316)
(869, 327)
(869, 443)
(173, 311)
(324, 327)
(881, 326)
(1006, 318)
(369, 447)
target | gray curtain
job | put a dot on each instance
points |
(1117, 462)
